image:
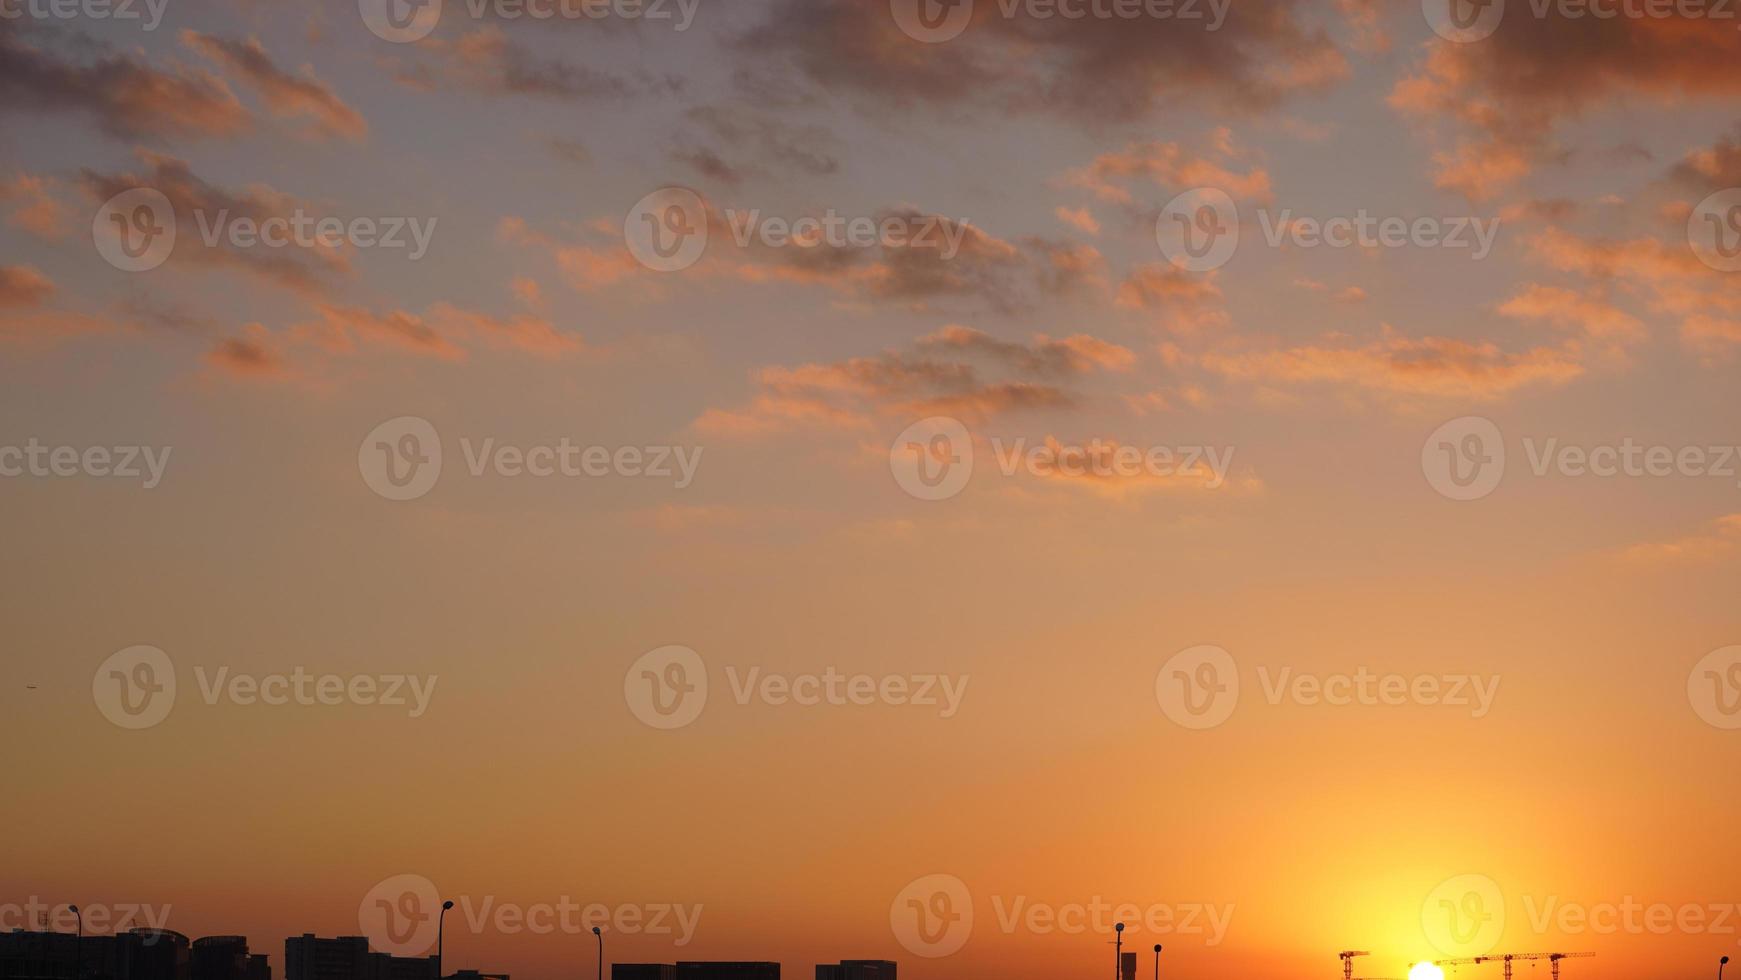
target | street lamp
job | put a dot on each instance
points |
(440, 935)
(1720, 964)
(1158, 962)
(1117, 951)
(601, 953)
(79, 944)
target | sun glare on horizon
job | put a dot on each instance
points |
(1426, 971)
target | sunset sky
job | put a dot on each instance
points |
(1303, 401)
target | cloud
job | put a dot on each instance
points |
(307, 269)
(1170, 166)
(1564, 308)
(1080, 219)
(1717, 541)
(444, 332)
(35, 209)
(957, 370)
(125, 97)
(1102, 70)
(286, 95)
(1396, 365)
(1670, 277)
(23, 286)
(486, 61)
(1504, 96)
(760, 143)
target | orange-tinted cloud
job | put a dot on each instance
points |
(23, 286)
(1170, 167)
(286, 95)
(1398, 365)
(957, 371)
(311, 269)
(1101, 69)
(123, 95)
(1719, 540)
(1506, 94)
(34, 207)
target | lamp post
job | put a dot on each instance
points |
(79, 943)
(1117, 951)
(1158, 962)
(601, 952)
(440, 936)
(1720, 964)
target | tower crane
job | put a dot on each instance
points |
(1506, 958)
(1347, 957)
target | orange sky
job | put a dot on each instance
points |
(1482, 705)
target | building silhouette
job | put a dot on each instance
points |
(309, 957)
(163, 955)
(643, 971)
(856, 970)
(142, 954)
(227, 958)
